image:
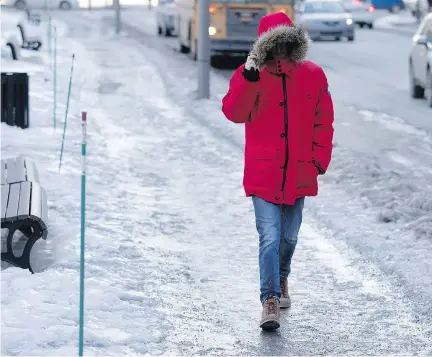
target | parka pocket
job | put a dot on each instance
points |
(307, 174)
(261, 168)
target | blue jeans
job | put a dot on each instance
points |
(278, 227)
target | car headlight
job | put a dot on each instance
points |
(349, 21)
(212, 31)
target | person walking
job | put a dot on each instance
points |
(285, 103)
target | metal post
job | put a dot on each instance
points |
(82, 246)
(203, 49)
(117, 8)
(90, 5)
(55, 80)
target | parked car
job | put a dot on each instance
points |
(393, 6)
(26, 25)
(420, 61)
(362, 12)
(165, 15)
(326, 18)
(41, 4)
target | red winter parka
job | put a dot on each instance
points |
(288, 116)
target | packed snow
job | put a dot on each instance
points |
(171, 249)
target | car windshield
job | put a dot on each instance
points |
(318, 7)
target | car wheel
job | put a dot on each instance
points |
(159, 30)
(65, 5)
(417, 91)
(395, 9)
(184, 49)
(337, 39)
(370, 25)
(429, 87)
(350, 38)
(195, 52)
(167, 32)
(361, 25)
(20, 5)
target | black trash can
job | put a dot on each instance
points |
(15, 99)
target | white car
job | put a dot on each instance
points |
(41, 4)
(165, 15)
(23, 23)
(420, 61)
(326, 19)
(362, 12)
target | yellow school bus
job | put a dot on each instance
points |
(233, 23)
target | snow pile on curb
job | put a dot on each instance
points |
(402, 22)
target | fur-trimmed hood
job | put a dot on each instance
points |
(275, 29)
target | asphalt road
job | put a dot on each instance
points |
(369, 74)
(372, 74)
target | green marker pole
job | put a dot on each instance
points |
(55, 81)
(83, 194)
(67, 109)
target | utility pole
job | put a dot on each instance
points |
(90, 5)
(203, 49)
(117, 9)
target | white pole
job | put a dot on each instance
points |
(203, 49)
(118, 22)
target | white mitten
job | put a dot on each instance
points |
(251, 62)
(251, 71)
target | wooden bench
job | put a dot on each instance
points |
(23, 207)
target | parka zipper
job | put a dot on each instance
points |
(285, 96)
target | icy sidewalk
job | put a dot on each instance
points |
(171, 247)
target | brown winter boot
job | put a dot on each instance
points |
(270, 314)
(285, 300)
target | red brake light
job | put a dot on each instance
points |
(371, 8)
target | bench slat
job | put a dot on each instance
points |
(24, 201)
(44, 217)
(21, 171)
(35, 204)
(15, 170)
(3, 172)
(13, 201)
(32, 173)
(4, 200)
